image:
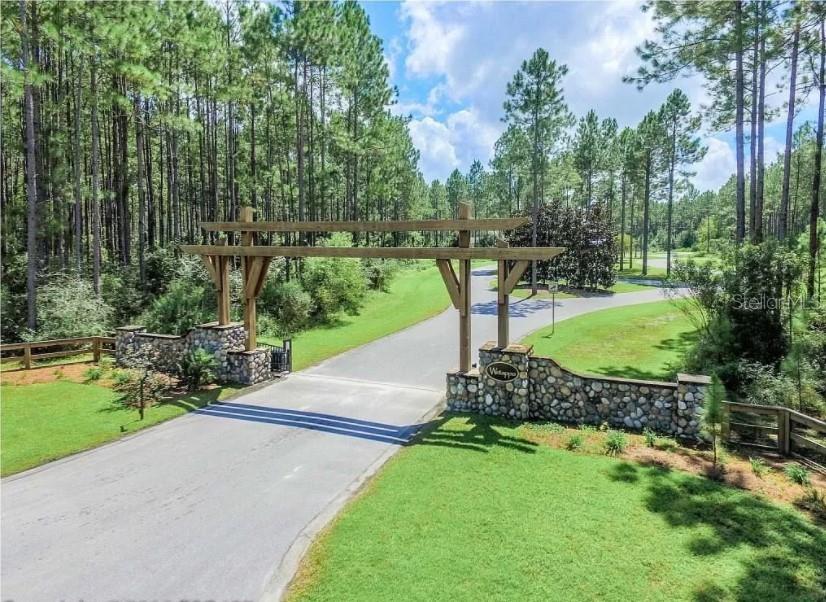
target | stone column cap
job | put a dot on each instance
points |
(130, 328)
(696, 379)
(216, 326)
(512, 348)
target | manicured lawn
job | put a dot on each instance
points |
(414, 295)
(645, 341)
(476, 511)
(45, 421)
(654, 273)
(524, 291)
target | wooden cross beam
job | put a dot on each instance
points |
(432, 225)
(254, 270)
(461, 253)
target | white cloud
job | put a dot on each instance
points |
(455, 142)
(716, 167)
(466, 52)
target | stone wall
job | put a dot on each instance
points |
(135, 347)
(542, 390)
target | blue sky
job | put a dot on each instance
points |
(451, 62)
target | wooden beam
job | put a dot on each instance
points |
(450, 280)
(432, 225)
(251, 269)
(514, 275)
(493, 253)
(262, 278)
(222, 268)
(253, 275)
(502, 308)
(464, 292)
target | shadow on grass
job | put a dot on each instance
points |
(789, 553)
(477, 433)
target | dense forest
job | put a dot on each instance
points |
(126, 123)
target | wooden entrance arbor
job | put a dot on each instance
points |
(255, 261)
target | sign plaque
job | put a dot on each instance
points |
(502, 371)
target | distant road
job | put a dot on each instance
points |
(220, 503)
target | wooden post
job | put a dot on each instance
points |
(222, 274)
(27, 357)
(464, 292)
(502, 298)
(783, 431)
(250, 267)
(96, 349)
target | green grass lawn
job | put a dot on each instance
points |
(654, 273)
(524, 291)
(645, 341)
(414, 295)
(476, 511)
(45, 421)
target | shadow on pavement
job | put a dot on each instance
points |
(314, 421)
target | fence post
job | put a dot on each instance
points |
(27, 357)
(783, 431)
(96, 349)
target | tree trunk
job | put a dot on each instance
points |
(645, 214)
(787, 154)
(740, 231)
(31, 179)
(814, 212)
(93, 92)
(622, 221)
(761, 123)
(139, 142)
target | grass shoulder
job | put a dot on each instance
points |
(516, 518)
(646, 341)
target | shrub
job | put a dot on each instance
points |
(587, 428)
(288, 305)
(68, 307)
(667, 444)
(814, 500)
(553, 428)
(574, 442)
(379, 273)
(336, 285)
(93, 373)
(615, 443)
(797, 474)
(180, 308)
(758, 467)
(650, 437)
(143, 391)
(714, 415)
(197, 368)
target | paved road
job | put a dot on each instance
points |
(220, 503)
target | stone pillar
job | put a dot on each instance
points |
(503, 378)
(126, 344)
(691, 391)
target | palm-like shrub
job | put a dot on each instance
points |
(197, 368)
(714, 417)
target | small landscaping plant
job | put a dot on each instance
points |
(650, 437)
(197, 368)
(713, 419)
(143, 391)
(797, 474)
(814, 500)
(758, 467)
(615, 443)
(93, 374)
(574, 442)
(666, 444)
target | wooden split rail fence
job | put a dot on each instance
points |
(787, 431)
(30, 352)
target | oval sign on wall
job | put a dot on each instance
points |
(501, 371)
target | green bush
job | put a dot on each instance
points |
(336, 285)
(667, 444)
(575, 442)
(379, 273)
(615, 443)
(797, 474)
(197, 368)
(758, 467)
(288, 306)
(92, 374)
(68, 307)
(650, 437)
(181, 307)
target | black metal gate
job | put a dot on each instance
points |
(281, 358)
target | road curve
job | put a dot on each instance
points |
(220, 503)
